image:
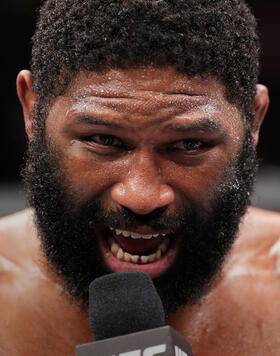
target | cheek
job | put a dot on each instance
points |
(198, 184)
(87, 177)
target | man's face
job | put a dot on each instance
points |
(141, 169)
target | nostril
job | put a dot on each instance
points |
(118, 191)
(142, 200)
(167, 195)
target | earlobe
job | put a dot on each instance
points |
(27, 98)
(260, 107)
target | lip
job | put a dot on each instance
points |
(154, 269)
(145, 230)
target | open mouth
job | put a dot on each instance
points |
(124, 250)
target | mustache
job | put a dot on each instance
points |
(125, 219)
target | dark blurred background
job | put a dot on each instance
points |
(17, 26)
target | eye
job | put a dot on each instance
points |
(105, 140)
(189, 145)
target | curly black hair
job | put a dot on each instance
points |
(216, 37)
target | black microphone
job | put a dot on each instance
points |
(127, 319)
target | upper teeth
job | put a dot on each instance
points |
(133, 258)
(135, 235)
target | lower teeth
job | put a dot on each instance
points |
(121, 255)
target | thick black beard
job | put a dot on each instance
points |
(71, 248)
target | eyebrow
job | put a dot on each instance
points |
(86, 119)
(116, 95)
(198, 126)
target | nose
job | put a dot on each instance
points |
(141, 190)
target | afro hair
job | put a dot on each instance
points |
(206, 37)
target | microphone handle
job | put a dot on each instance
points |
(163, 341)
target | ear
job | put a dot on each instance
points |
(27, 98)
(260, 107)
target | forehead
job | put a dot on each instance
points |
(148, 95)
(161, 80)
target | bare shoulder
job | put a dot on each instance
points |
(242, 311)
(258, 244)
(17, 238)
(14, 221)
(264, 219)
(33, 305)
(252, 272)
(13, 227)
(259, 228)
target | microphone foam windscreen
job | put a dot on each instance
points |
(123, 303)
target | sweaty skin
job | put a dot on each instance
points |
(239, 316)
(240, 313)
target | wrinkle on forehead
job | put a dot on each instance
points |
(161, 80)
(141, 94)
(145, 88)
(145, 103)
